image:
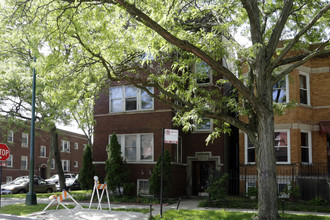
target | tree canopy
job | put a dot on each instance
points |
(122, 38)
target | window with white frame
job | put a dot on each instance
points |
(281, 187)
(52, 166)
(65, 165)
(143, 187)
(282, 146)
(136, 147)
(130, 98)
(10, 138)
(25, 140)
(76, 146)
(75, 163)
(24, 162)
(280, 91)
(9, 179)
(42, 151)
(304, 88)
(250, 184)
(306, 147)
(65, 146)
(84, 147)
(203, 73)
(204, 125)
(10, 161)
(250, 151)
(177, 151)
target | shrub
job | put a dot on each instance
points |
(217, 186)
(87, 172)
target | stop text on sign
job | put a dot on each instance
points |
(4, 152)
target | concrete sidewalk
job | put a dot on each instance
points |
(85, 214)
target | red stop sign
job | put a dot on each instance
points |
(4, 152)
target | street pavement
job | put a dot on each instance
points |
(93, 214)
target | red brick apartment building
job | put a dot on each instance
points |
(71, 146)
(138, 120)
(302, 134)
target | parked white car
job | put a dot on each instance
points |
(55, 179)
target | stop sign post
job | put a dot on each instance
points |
(4, 152)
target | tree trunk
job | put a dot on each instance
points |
(267, 184)
(49, 164)
(57, 156)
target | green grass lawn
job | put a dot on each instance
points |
(224, 215)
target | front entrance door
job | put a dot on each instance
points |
(43, 172)
(201, 171)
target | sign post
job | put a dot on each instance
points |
(170, 136)
(4, 154)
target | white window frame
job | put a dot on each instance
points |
(246, 139)
(43, 151)
(10, 138)
(210, 74)
(63, 144)
(284, 182)
(9, 179)
(65, 165)
(11, 159)
(138, 187)
(25, 144)
(121, 141)
(24, 158)
(52, 165)
(308, 88)
(84, 147)
(288, 146)
(178, 150)
(309, 135)
(76, 146)
(75, 164)
(286, 90)
(123, 100)
(250, 184)
(204, 130)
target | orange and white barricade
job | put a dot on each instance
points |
(59, 199)
(96, 188)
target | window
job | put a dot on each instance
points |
(84, 147)
(52, 166)
(203, 73)
(10, 161)
(304, 88)
(280, 92)
(65, 146)
(143, 187)
(250, 151)
(281, 188)
(24, 162)
(130, 98)
(10, 138)
(282, 148)
(25, 140)
(177, 151)
(42, 151)
(282, 145)
(76, 146)
(75, 164)
(136, 147)
(306, 147)
(9, 179)
(65, 165)
(205, 125)
(250, 184)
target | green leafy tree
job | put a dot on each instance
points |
(184, 33)
(155, 179)
(87, 172)
(117, 173)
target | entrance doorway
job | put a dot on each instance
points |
(43, 172)
(201, 171)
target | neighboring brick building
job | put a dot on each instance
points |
(302, 134)
(138, 120)
(71, 146)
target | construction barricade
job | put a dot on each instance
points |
(96, 188)
(60, 198)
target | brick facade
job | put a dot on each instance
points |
(42, 138)
(153, 121)
(304, 118)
